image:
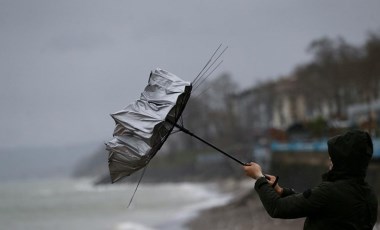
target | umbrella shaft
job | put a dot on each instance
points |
(183, 129)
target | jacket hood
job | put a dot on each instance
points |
(350, 154)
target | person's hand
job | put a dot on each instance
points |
(271, 180)
(253, 170)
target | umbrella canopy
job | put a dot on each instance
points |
(144, 125)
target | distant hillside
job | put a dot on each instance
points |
(94, 165)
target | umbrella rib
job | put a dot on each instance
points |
(203, 92)
(196, 83)
(177, 131)
(208, 62)
(138, 183)
(181, 118)
(176, 111)
(204, 79)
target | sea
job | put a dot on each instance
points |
(77, 204)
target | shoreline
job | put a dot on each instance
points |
(200, 196)
(217, 195)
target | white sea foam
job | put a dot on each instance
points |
(204, 196)
(132, 226)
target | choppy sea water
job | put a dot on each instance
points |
(76, 204)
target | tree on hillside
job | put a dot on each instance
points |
(371, 67)
(369, 81)
(333, 72)
(325, 61)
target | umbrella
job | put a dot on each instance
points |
(144, 125)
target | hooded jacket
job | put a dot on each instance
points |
(342, 201)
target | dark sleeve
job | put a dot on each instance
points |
(292, 206)
(287, 192)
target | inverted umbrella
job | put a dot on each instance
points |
(143, 126)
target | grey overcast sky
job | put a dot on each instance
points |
(65, 65)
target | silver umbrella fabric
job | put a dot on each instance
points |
(144, 125)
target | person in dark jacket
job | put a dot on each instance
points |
(342, 201)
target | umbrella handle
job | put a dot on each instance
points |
(183, 129)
